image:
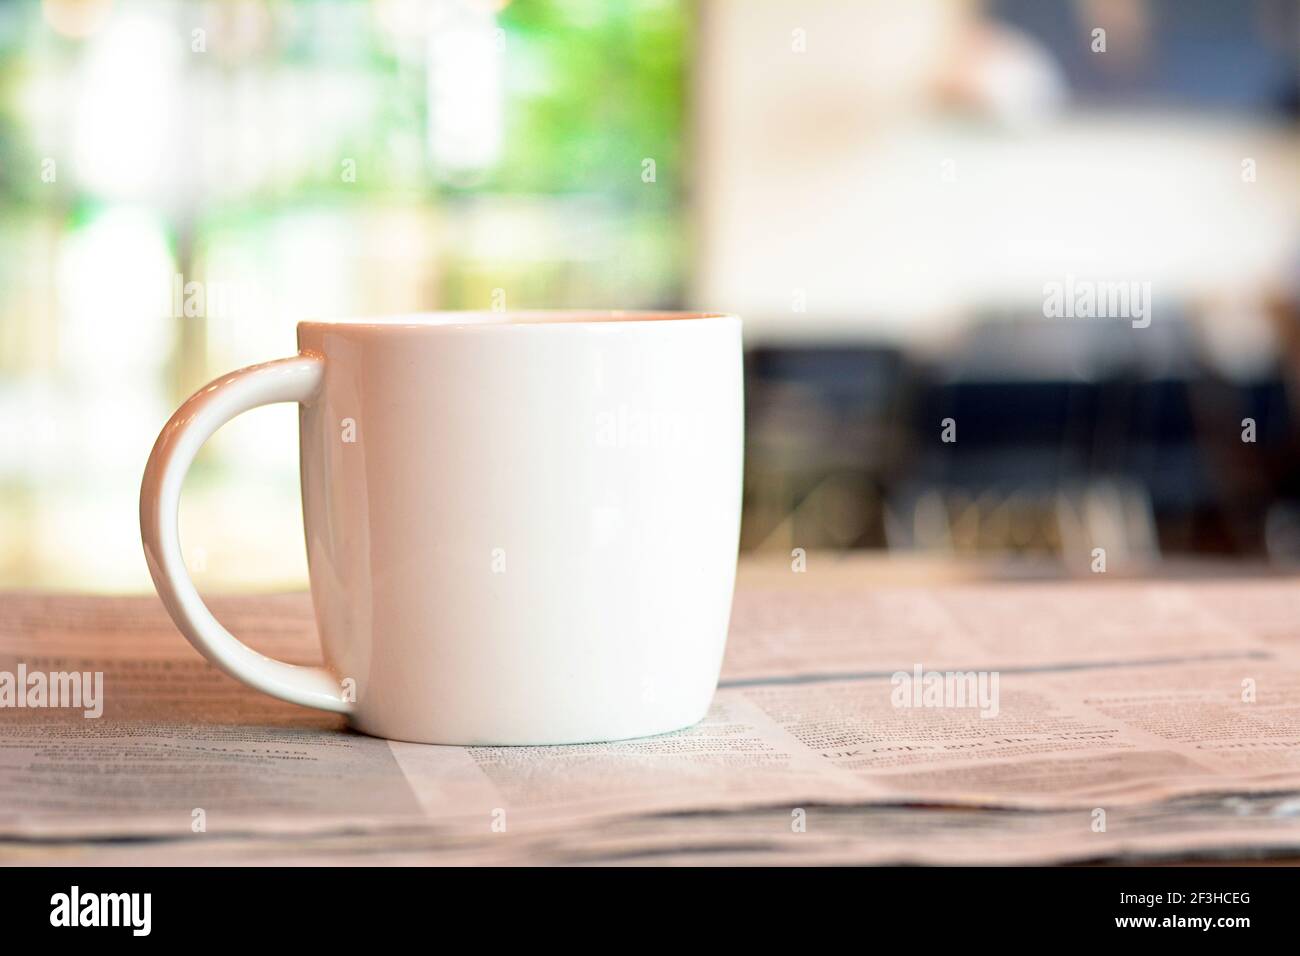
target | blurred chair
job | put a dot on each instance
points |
(822, 426)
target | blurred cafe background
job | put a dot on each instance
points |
(887, 191)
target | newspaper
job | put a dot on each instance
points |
(1098, 700)
(1197, 829)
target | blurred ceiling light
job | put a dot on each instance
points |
(466, 89)
(1004, 73)
(124, 111)
(76, 18)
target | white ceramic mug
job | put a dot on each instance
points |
(521, 528)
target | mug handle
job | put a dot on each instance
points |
(295, 379)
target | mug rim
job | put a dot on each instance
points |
(518, 319)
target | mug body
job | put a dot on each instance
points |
(522, 528)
